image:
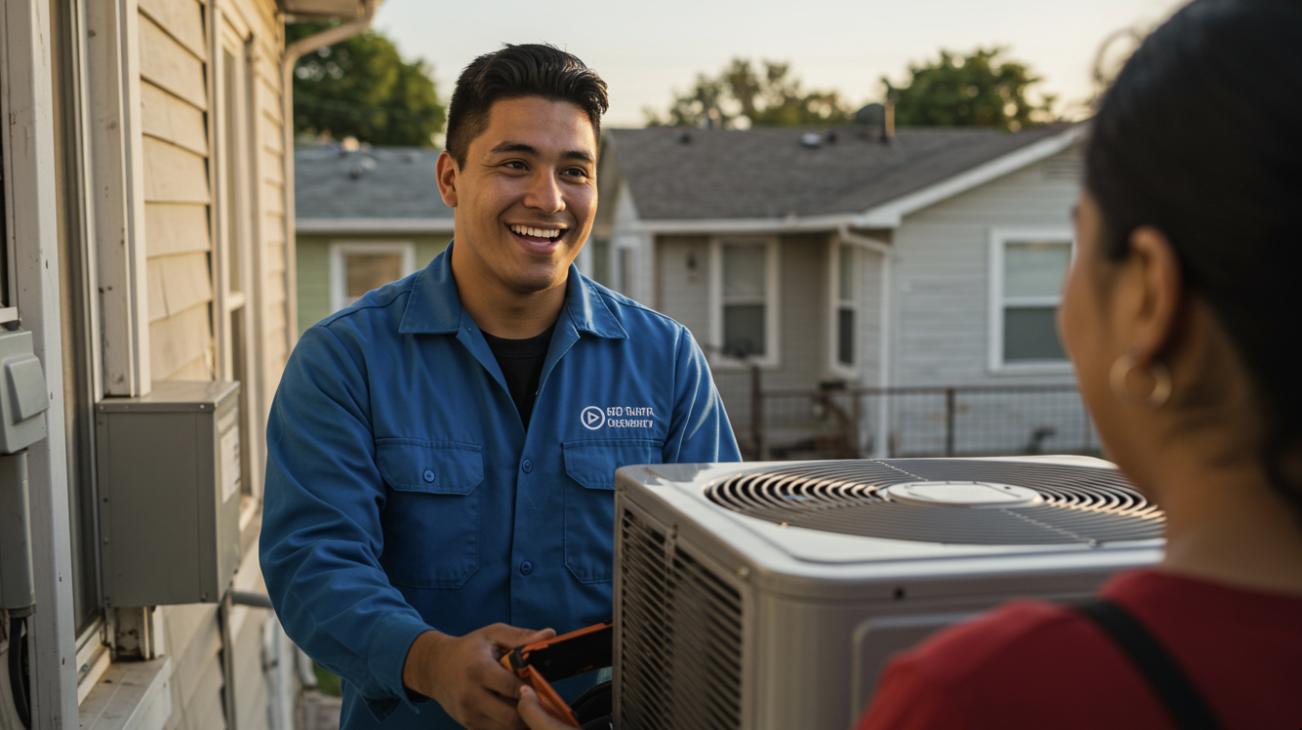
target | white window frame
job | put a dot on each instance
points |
(772, 302)
(835, 304)
(999, 239)
(340, 249)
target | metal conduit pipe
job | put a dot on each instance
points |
(295, 51)
(253, 600)
(880, 445)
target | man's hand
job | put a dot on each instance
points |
(463, 675)
(534, 715)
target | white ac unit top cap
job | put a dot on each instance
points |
(963, 494)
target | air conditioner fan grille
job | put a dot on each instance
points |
(1076, 505)
(680, 636)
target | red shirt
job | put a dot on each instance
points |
(1030, 664)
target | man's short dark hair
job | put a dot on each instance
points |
(514, 72)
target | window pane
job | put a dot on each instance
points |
(743, 329)
(845, 336)
(743, 270)
(1035, 269)
(367, 271)
(601, 261)
(845, 287)
(1031, 333)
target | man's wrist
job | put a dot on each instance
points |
(420, 667)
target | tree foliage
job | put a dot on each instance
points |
(765, 96)
(979, 89)
(362, 88)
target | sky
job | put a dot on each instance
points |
(648, 50)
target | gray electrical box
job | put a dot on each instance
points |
(169, 485)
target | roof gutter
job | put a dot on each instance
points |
(295, 51)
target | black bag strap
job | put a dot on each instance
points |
(1183, 702)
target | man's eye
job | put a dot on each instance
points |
(515, 165)
(576, 172)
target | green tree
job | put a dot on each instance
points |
(361, 87)
(767, 96)
(979, 89)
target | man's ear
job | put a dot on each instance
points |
(1161, 292)
(448, 172)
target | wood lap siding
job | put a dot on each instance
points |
(178, 151)
(178, 197)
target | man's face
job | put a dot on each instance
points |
(526, 197)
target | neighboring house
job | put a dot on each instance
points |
(830, 256)
(146, 220)
(364, 218)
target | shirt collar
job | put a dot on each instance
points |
(434, 306)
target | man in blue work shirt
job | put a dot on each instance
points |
(441, 453)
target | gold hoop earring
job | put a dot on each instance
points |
(1162, 384)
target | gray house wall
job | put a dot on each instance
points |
(941, 326)
(941, 322)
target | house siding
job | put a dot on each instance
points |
(802, 313)
(174, 111)
(941, 327)
(684, 294)
(177, 76)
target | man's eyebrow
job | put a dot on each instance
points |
(528, 149)
(508, 146)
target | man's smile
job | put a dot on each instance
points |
(539, 237)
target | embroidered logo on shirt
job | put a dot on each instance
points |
(594, 418)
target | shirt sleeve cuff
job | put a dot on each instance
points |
(390, 642)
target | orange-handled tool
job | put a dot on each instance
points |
(563, 656)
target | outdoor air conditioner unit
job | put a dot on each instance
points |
(768, 596)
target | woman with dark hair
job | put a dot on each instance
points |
(1181, 315)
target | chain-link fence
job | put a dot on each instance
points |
(840, 422)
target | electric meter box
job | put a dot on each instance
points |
(169, 486)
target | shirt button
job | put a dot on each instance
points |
(526, 567)
(527, 466)
(429, 475)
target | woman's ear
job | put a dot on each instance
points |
(447, 172)
(1158, 294)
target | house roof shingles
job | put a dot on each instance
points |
(390, 183)
(768, 173)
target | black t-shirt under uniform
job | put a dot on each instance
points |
(521, 362)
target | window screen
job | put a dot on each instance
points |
(1032, 280)
(745, 310)
(364, 272)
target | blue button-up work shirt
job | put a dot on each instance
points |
(403, 492)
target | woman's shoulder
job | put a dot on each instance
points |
(1034, 659)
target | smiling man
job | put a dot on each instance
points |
(441, 453)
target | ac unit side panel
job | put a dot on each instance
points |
(681, 621)
(819, 661)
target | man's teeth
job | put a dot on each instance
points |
(536, 232)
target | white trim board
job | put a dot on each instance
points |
(331, 226)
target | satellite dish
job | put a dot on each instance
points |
(870, 115)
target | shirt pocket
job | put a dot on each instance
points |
(589, 501)
(431, 520)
